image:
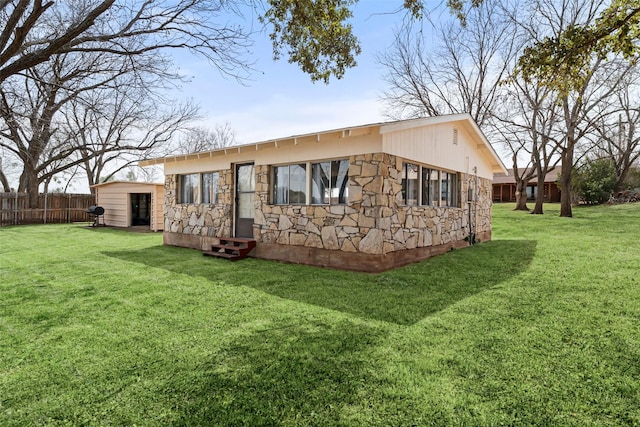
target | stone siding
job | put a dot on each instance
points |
(373, 222)
(201, 220)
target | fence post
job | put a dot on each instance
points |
(44, 216)
(15, 211)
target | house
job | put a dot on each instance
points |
(365, 198)
(504, 187)
(129, 204)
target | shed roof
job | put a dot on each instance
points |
(103, 184)
(380, 128)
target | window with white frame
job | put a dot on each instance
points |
(189, 188)
(289, 184)
(210, 187)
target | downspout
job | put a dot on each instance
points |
(471, 196)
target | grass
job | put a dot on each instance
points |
(537, 327)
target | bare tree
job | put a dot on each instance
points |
(39, 109)
(476, 72)
(199, 139)
(111, 130)
(462, 74)
(34, 31)
(550, 19)
(528, 122)
(617, 137)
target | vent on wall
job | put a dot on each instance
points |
(455, 136)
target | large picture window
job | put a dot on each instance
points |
(322, 183)
(210, 187)
(289, 184)
(330, 182)
(189, 188)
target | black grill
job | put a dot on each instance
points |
(97, 212)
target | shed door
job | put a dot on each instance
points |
(245, 193)
(140, 208)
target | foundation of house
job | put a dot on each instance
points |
(351, 261)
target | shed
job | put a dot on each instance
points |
(366, 198)
(129, 204)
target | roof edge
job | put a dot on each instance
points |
(254, 145)
(125, 182)
(448, 118)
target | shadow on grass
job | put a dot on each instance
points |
(296, 374)
(402, 296)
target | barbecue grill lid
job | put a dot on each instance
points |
(96, 210)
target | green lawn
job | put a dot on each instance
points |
(540, 326)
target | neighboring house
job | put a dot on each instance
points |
(504, 187)
(129, 204)
(364, 198)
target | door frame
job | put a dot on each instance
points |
(149, 204)
(236, 201)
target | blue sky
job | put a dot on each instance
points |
(280, 100)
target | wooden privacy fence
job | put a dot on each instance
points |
(52, 208)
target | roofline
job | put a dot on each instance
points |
(383, 127)
(345, 131)
(125, 182)
(449, 118)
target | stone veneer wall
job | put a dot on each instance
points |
(373, 232)
(374, 221)
(199, 220)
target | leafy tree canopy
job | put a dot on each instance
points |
(562, 62)
(317, 35)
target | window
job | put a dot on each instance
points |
(532, 192)
(289, 184)
(445, 189)
(410, 184)
(426, 186)
(189, 188)
(199, 188)
(435, 188)
(330, 182)
(210, 188)
(454, 192)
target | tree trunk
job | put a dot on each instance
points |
(537, 210)
(29, 183)
(521, 195)
(565, 183)
(622, 171)
(5, 182)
